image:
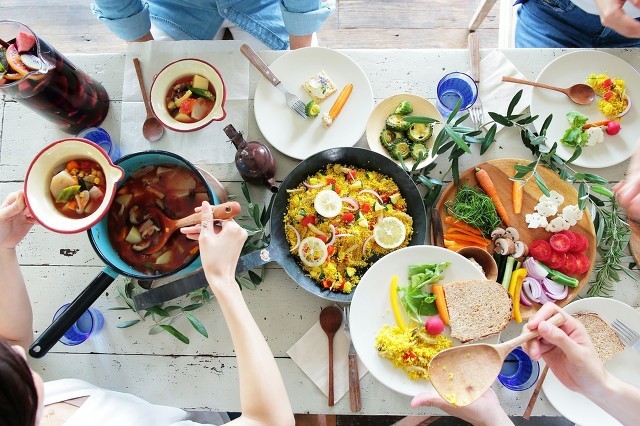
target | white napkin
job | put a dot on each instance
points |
(311, 354)
(496, 94)
(206, 146)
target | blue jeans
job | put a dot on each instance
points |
(560, 23)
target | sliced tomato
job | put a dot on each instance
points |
(582, 243)
(308, 220)
(348, 217)
(556, 260)
(582, 263)
(569, 266)
(187, 106)
(540, 250)
(385, 198)
(324, 239)
(607, 83)
(365, 207)
(351, 175)
(608, 94)
(331, 181)
(571, 236)
(327, 283)
(330, 250)
(560, 243)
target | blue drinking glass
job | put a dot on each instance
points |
(519, 372)
(100, 137)
(452, 88)
(90, 322)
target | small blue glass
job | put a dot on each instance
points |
(90, 322)
(452, 88)
(100, 137)
(519, 372)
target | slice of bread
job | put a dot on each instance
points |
(604, 338)
(477, 308)
(319, 86)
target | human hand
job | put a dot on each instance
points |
(628, 191)
(15, 220)
(612, 16)
(567, 350)
(484, 411)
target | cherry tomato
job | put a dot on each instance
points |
(308, 220)
(351, 175)
(571, 236)
(569, 266)
(607, 83)
(556, 260)
(608, 95)
(560, 243)
(348, 217)
(582, 263)
(613, 128)
(540, 250)
(582, 243)
(365, 207)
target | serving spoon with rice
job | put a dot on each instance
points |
(463, 373)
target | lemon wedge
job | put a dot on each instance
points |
(328, 203)
(390, 232)
(312, 251)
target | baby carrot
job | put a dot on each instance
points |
(516, 195)
(596, 124)
(489, 188)
(441, 303)
(456, 228)
(339, 103)
(468, 238)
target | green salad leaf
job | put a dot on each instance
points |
(416, 301)
(574, 135)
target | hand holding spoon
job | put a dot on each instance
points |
(580, 93)
(330, 321)
(152, 129)
(462, 374)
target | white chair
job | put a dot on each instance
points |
(506, 21)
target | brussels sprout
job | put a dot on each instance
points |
(418, 151)
(402, 148)
(404, 108)
(396, 123)
(312, 109)
(419, 132)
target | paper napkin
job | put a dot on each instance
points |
(311, 354)
(496, 94)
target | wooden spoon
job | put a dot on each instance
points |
(330, 321)
(462, 374)
(580, 93)
(152, 129)
(168, 226)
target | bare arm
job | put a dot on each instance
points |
(16, 317)
(263, 396)
(296, 42)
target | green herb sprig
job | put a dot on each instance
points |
(475, 208)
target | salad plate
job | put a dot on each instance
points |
(371, 309)
(300, 138)
(624, 365)
(574, 68)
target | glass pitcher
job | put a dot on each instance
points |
(42, 79)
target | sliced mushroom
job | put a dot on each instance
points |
(135, 215)
(521, 250)
(82, 199)
(142, 245)
(148, 228)
(512, 233)
(497, 233)
(504, 246)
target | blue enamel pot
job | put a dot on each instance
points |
(99, 238)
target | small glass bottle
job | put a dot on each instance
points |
(253, 160)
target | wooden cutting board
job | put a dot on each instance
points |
(500, 171)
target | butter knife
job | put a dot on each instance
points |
(354, 377)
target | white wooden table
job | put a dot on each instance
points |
(202, 375)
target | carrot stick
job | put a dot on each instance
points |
(596, 124)
(489, 188)
(461, 224)
(456, 228)
(462, 237)
(441, 303)
(516, 196)
(340, 101)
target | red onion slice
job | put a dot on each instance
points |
(352, 203)
(333, 234)
(308, 185)
(297, 237)
(372, 192)
(534, 269)
(532, 289)
(554, 290)
(525, 300)
(364, 245)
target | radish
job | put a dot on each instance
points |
(613, 127)
(434, 325)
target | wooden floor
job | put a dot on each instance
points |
(70, 26)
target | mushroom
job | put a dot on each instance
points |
(497, 233)
(521, 250)
(504, 246)
(135, 215)
(512, 233)
(144, 244)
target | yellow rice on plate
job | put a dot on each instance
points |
(354, 246)
(410, 349)
(617, 101)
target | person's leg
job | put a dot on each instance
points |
(555, 23)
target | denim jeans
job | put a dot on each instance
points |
(560, 23)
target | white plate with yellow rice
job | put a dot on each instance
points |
(576, 67)
(371, 309)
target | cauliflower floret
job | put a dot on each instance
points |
(546, 208)
(554, 198)
(536, 220)
(596, 136)
(557, 224)
(572, 214)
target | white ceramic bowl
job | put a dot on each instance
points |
(38, 179)
(172, 72)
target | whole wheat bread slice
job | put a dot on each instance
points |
(604, 338)
(477, 308)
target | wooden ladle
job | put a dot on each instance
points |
(463, 373)
(168, 226)
(330, 321)
(580, 93)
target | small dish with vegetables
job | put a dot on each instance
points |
(389, 134)
(187, 95)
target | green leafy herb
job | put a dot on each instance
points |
(416, 301)
(574, 135)
(475, 208)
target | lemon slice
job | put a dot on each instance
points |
(312, 251)
(328, 203)
(389, 233)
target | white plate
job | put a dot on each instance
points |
(299, 138)
(576, 407)
(371, 309)
(573, 68)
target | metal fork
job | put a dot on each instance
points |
(354, 377)
(626, 334)
(475, 111)
(292, 100)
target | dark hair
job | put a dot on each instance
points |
(18, 394)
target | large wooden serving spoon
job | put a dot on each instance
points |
(168, 226)
(462, 374)
(330, 321)
(580, 93)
